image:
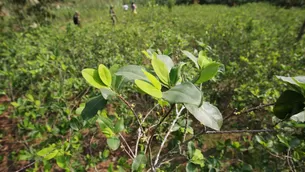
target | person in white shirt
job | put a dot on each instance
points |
(125, 7)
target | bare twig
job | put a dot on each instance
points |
(138, 140)
(27, 166)
(261, 106)
(134, 113)
(169, 131)
(152, 136)
(149, 112)
(127, 145)
(185, 128)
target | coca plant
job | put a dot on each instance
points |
(170, 90)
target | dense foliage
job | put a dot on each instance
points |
(41, 74)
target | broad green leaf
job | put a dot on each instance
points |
(148, 88)
(203, 60)
(92, 77)
(92, 106)
(105, 122)
(297, 80)
(117, 82)
(190, 167)
(175, 74)
(207, 114)
(119, 126)
(198, 158)
(139, 162)
(113, 143)
(190, 149)
(105, 75)
(62, 161)
(167, 61)
(288, 104)
(299, 117)
(132, 72)
(48, 153)
(107, 93)
(208, 72)
(155, 82)
(183, 93)
(161, 70)
(192, 57)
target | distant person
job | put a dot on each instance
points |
(125, 7)
(133, 8)
(76, 18)
(113, 15)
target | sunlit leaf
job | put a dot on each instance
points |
(105, 75)
(208, 72)
(183, 93)
(132, 72)
(92, 77)
(155, 82)
(161, 70)
(192, 57)
(207, 114)
(203, 60)
(148, 88)
(167, 61)
(299, 117)
(113, 143)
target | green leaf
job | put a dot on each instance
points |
(155, 82)
(190, 149)
(139, 162)
(113, 143)
(132, 72)
(105, 122)
(192, 57)
(117, 82)
(92, 106)
(203, 60)
(299, 117)
(61, 161)
(297, 80)
(167, 61)
(119, 126)
(105, 75)
(208, 72)
(48, 153)
(183, 93)
(148, 88)
(92, 77)
(107, 93)
(161, 70)
(198, 158)
(190, 167)
(175, 74)
(207, 114)
(288, 104)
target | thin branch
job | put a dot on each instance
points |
(27, 166)
(134, 113)
(138, 140)
(133, 155)
(261, 106)
(152, 136)
(149, 112)
(186, 123)
(169, 131)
